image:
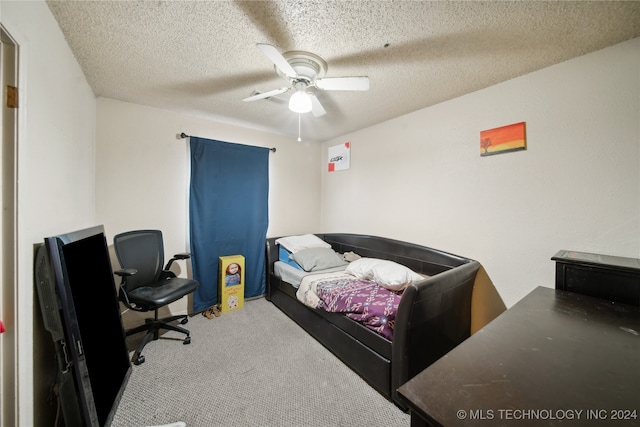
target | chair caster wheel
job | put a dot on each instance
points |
(183, 321)
(138, 360)
(186, 341)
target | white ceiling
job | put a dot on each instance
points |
(200, 57)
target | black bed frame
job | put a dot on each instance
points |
(433, 317)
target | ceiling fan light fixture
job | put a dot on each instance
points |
(300, 102)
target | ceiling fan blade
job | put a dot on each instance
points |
(276, 57)
(343, 83)
(316, 107)
(266, 94)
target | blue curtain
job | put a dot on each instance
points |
(228, 214)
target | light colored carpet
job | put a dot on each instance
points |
(250, 367)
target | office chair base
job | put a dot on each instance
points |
(153, 327)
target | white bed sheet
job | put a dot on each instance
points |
(294, 276)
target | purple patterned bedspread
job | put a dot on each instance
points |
(361, 300)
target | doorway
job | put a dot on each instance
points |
(8, 227)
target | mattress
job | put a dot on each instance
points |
(294, 275)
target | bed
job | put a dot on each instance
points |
(433, 311)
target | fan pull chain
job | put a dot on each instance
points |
(299, 139)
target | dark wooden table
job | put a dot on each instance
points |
(554, 358)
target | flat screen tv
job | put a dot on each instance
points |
(79, 305)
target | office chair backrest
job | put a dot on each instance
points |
(142, 250)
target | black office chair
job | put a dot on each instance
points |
(147, 286)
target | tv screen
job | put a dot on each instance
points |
(79, 303)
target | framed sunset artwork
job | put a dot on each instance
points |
(504, 139)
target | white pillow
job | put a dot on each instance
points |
(387, 274)
(296, 243)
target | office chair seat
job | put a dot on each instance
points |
(148, 286)
(152, 297)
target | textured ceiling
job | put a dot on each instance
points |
(200, 57)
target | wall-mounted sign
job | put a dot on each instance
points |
(339, 157)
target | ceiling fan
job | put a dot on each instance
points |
(304, 70)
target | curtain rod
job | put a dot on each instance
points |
(184, 135)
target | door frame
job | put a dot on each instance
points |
(8, 233)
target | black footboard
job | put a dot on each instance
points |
(434, 316)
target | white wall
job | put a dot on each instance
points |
(420, 177)
(143, 174)
(56, 140)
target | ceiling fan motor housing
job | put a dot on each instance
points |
(308, 66)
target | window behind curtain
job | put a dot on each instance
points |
(228, 213)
